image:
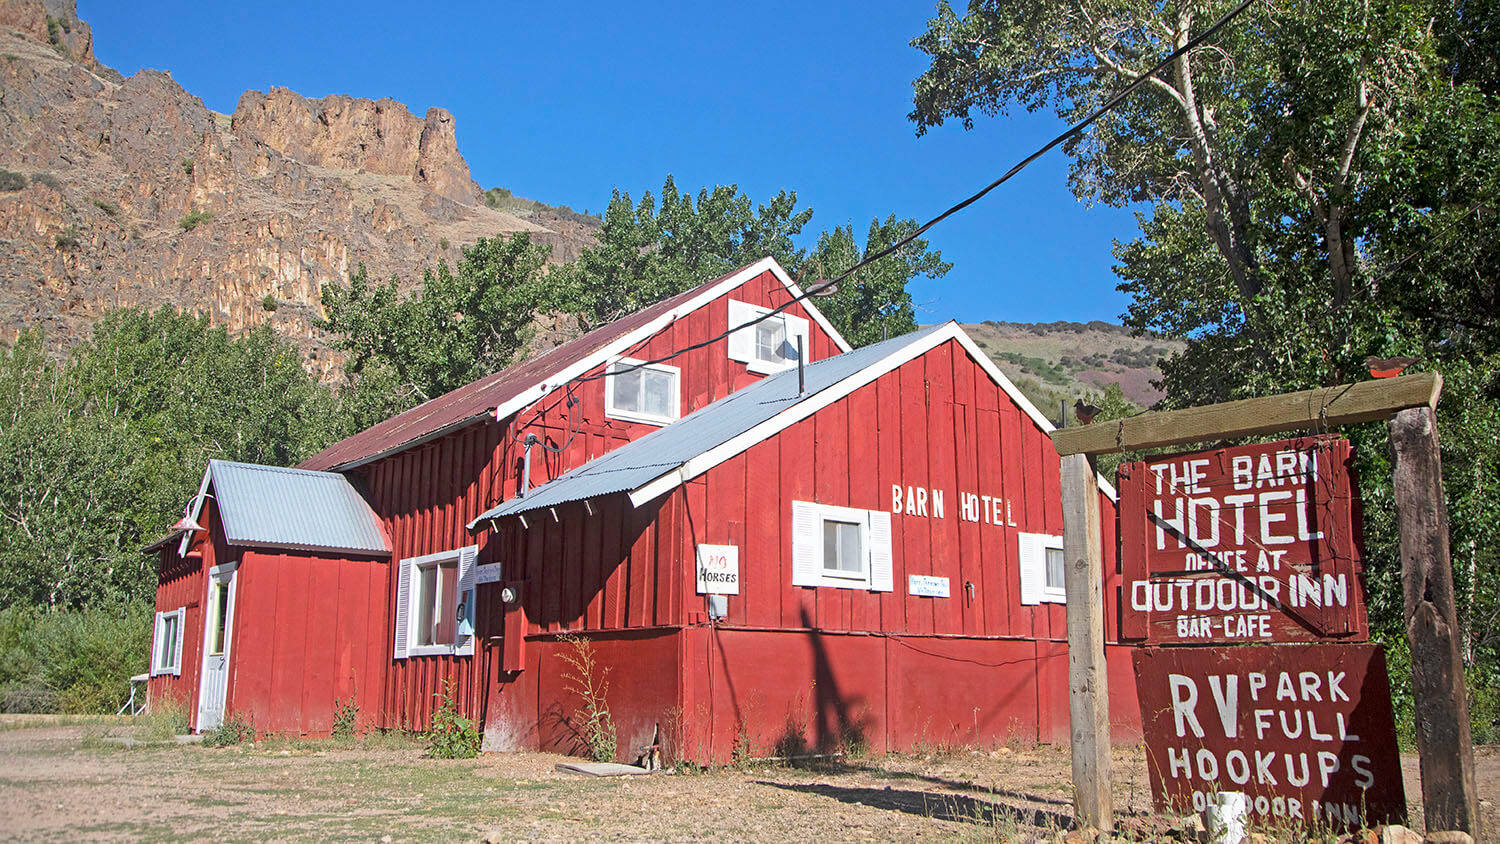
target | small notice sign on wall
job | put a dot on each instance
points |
(718, 570)
(487, 573)
(927, 586)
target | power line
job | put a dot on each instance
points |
(1076, 128)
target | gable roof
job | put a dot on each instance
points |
(513, 388)
(275, 507)
(665, 458)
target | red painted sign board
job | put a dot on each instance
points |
(1251, 544)
(1304, 731)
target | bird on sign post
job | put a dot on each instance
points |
(1084, 411)
(1387, 367)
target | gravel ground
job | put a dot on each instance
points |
(68, 781)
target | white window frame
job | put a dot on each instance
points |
(742, 343)
(808, 563)
(159, 666)
(1031, 557)
(406, 596)
(614, 412)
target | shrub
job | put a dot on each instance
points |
(589, 682)
(452, 736)
(443, 242)
(187, 166)
(67, 239)
(195, 217)
(77, 661)
(268, 303)
(107, 207)
(11, 181)
(231, 731)
(46, 179)
(345, 718)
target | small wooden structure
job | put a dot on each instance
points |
(1409, 403)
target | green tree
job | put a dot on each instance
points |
(457, 326)
(96, 453)
(647, 253)
(1320, 181)
(874, 302)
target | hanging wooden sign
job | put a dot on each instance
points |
(1304, 731)
(1252, 544)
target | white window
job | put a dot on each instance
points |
(166, 643)
(769, 345)
(1041, 561)
(435, 604)
(642, 392)
(841, 547)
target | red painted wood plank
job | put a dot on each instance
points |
(765, 559)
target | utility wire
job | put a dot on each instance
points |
(1075, 129)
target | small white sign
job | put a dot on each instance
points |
(487, 573)
(927, 586)
(718, 570)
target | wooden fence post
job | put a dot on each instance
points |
(1088, 681)
(1444, 742)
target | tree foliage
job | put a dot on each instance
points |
(96, 453)
(458, 325)
(873, 303)
(1320, 181)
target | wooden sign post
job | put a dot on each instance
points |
(1447, 758)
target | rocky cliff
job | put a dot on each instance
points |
(129, 192)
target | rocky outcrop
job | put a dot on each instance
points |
(345, 133)
(135, 194)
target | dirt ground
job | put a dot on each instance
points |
(60, 781)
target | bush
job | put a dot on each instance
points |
(195, 217)
(586, 679)
(67, 239)
(232, 730)
(187, 166)
(345, 718)
(11, 181)
(107, 207)
(269, 303)
(452, 735)
(46, 179)
(77, 661)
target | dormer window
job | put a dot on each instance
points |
(640, 392)
(769, 345)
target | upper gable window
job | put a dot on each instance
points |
(769, 345)
(640, 392)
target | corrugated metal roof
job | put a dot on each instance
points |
(476, 400)
(659, 452)
(293, 508)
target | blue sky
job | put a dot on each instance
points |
(564, 102)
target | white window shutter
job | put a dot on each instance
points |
(463, 643)
(177, 647)
(742, 343)
(1031, 557)
(797, 327)
(403, 606)
(156, 660)
(807, 545)
(881, 578)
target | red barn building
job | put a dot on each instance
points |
(892, 529)
(424, 474)
(867, 552)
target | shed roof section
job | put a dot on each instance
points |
(516, 386)
(666, 451)
(271, 506)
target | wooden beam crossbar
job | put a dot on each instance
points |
(1320, 409)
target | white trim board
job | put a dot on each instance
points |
(696, 466)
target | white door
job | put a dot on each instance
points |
(218, 621)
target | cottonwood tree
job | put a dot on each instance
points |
(1318, 183)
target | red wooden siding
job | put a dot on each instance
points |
(426, 495)
(308, 634)
(793, 667)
